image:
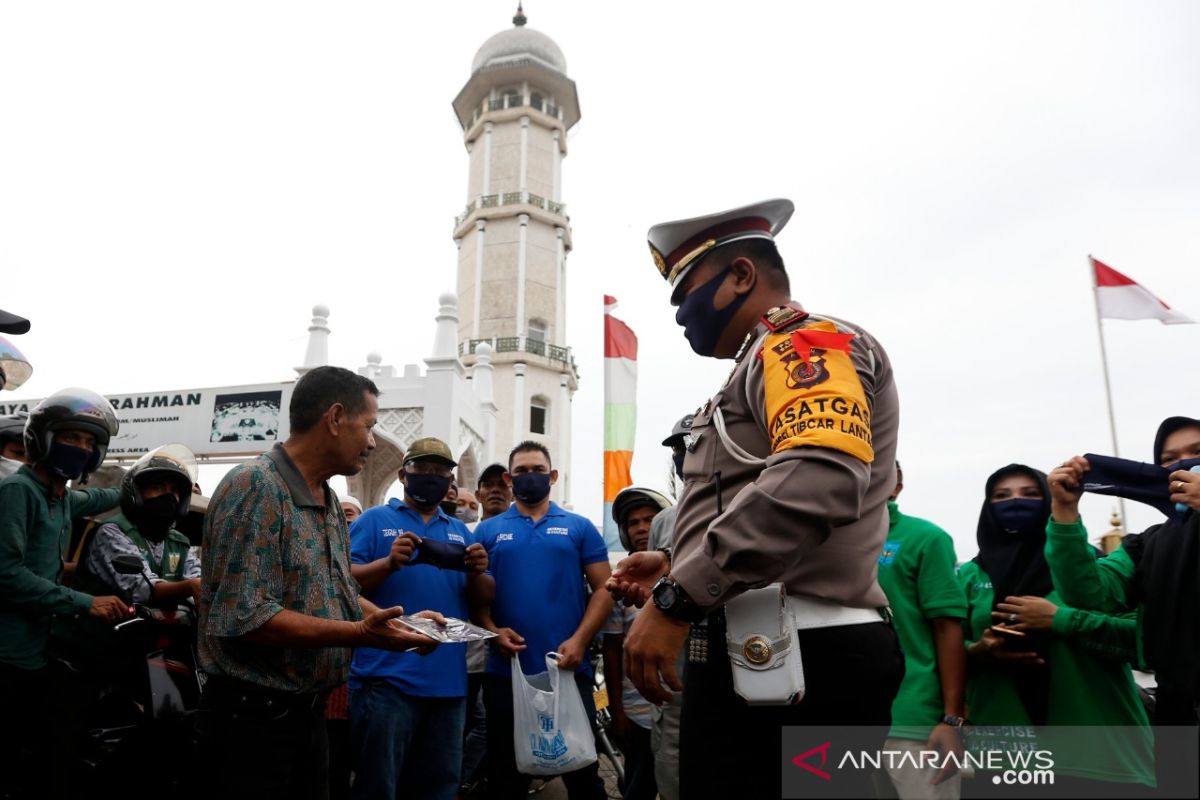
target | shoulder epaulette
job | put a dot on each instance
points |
(782, 317)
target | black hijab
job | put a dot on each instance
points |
(1167, 583)
(1016, 563)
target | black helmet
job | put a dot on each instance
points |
(627, 500)
(70, 409)
(12, 428)
(173, 460)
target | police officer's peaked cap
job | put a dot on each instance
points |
(430, 448)
(677, 246)
(11, 323)
(682, 428)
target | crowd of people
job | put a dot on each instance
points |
(783, 588)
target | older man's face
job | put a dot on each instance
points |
(356, 439)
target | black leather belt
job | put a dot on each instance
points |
(241, 698)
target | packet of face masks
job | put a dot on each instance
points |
(444, 555)
(455, 630)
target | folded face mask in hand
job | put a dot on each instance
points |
(444, 555)
(1133, 480)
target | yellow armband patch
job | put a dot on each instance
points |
(813, 393)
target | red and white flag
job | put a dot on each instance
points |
(1120, 297)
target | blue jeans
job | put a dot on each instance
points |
(403, 744)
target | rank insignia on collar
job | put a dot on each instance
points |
(781, 317)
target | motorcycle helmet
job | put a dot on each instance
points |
(12, 428)
(174, 461)
(70, 409)
(627, 500)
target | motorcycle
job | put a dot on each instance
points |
(141, 721)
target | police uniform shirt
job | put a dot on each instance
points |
(798, 494)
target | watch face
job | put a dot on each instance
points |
(665, 595)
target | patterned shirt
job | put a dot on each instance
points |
(269, 546)
(110, 541)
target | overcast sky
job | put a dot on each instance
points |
(181, 182)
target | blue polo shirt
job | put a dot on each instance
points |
(417, 587)
(541, 592)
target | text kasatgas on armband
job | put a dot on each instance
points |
(801, 416)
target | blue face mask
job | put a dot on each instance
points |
(68, 462)
(702, 323)
(426, 490)
(1021, 514)
(531, 488)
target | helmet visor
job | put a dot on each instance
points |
(13, 364)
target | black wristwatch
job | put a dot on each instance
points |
(955, 721)
(671, 599)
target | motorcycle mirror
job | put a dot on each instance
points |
(127, 565)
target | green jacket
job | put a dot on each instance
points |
(1091, 685)
(35, 530)
(1102, 584)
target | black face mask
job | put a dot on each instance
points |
(427, 490)
(449, 507)
(156, 517)
(531, 488)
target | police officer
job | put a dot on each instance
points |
(787, 477)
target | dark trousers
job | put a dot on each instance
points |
(730, 749)
(639, 765)
(257, 752)
(24, 732)
(504, 782)
(475, 744)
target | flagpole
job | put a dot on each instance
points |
(1112, 418)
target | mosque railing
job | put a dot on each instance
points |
(520, 344)
(511, 199)
(537, 102)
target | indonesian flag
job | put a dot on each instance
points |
(620, 412)
(1120, 297)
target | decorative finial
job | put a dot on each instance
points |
(519, 20)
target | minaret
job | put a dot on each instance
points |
(514, 235)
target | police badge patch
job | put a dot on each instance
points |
(802, 373)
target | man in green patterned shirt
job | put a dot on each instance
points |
(279, 612)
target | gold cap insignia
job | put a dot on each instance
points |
(658, 261)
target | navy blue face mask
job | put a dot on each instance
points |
(1020, 514)
(68, 462)
(702, 323)
(531, 488)
(1133, 480)
(426, 490)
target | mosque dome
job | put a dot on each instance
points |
(519, 43)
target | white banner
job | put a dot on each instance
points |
(228, 421)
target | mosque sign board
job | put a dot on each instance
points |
(213, 423)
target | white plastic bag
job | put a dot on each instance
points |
(551, 730)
